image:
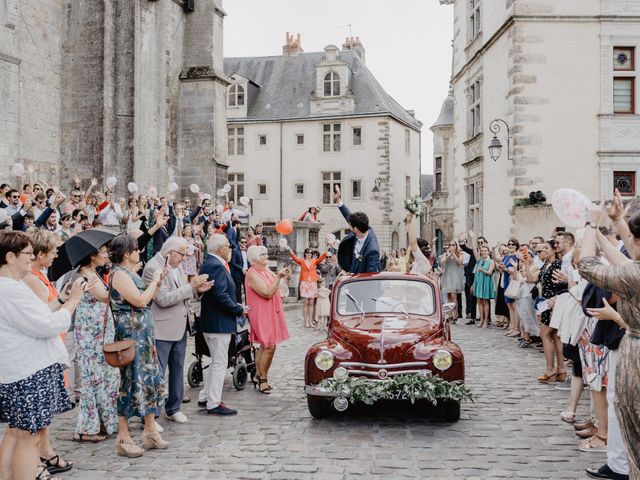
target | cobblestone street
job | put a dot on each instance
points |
(513, 430)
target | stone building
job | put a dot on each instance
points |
(563, 76)
(131, 88)
(301, 123)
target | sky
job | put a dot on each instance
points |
(407, 43)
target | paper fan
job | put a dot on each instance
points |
(111, 182)
(173, 187)
(153, 192)
(283, 243)
(226, 188)
(206, 196)
(244, 201)
(221, 193)
(330, 238)
(18, 169)
(570, 206)
(194, 188)
(219, 209)
(132, 187)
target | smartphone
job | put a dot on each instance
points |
(543, 306)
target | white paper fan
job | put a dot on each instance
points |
(194, 188)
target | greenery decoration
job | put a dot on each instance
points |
(412, 386)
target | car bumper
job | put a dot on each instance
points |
(317, 391)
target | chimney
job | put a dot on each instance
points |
(292, 46)
(351, 43)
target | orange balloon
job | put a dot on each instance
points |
(284, 226)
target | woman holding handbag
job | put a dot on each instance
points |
(93, 327)
(142, 387)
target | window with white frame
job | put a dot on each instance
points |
(331, 133)
(236, 182)
(437, 174)
(407, 140)
(330, 180)
(235, 96)
(624, 80)
(357, 136)
(473, 206)
(356, 189)
(474, 19)
(475, 122)
(262, 189)
(298, 190)
(331, 84)
(235, 141)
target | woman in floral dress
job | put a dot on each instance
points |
(142, 386)
(98, 380)
(190, 260)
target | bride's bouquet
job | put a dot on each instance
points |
(414, 205)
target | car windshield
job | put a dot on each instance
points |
(386, 296)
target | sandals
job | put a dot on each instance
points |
(569, 417)
(88, 438)
(594, 444)
(266, 390)
(56, 464)
(544, 378)
(43, 474)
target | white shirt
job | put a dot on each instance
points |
(245, 262)
(226, 215)
(360, 243)
(110, 217)
(29, 332)
(567, 263)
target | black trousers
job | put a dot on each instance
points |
(470, 298)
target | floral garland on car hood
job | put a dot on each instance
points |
(413, 387)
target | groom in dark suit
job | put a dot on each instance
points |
(219, 311)
(359, 251)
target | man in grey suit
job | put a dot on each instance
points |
(170, 317)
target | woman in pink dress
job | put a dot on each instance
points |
(266, 314)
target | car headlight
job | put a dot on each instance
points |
(442, 360)
(340, 374)
(324, 360)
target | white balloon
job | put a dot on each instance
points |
(330, 238)
(173, 187)
(283, 242)
(132, 187)
(219, 209)
(111, 182)
(18, 169)
(221, 193)
(226, 188)
(194, 188)
(245, 201)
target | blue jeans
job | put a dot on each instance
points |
(171, 355)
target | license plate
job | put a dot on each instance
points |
(400, 396)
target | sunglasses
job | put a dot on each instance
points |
(511, 244)
(15, 197)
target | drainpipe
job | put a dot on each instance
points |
(281, 191)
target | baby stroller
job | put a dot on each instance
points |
(242, 355)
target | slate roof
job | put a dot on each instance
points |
(286, 84)
(446, 112)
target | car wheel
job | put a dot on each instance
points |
(319, 407)
(194, 375)
(240, 375)
(451, 411)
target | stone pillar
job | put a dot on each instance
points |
(202, 137)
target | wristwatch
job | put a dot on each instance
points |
(60, 301)
(591, 224)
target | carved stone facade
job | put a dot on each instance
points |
(547, 69)
(130, 88)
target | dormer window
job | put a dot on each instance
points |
(235, 96)
(331, 84)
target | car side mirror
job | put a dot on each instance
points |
(448, 307)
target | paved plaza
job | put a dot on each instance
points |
(512, 431)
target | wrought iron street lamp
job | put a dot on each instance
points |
(495, 147)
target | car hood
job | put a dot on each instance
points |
(385, 337)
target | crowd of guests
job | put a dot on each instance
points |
(574, 299)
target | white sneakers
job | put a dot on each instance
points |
(178, 417)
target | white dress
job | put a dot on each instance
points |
(323, 304)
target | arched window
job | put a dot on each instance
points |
(235, 96)
(331, 84)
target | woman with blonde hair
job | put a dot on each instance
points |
(268, 326)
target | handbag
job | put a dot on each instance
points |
(118, 354)
(514, 289)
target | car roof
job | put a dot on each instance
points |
(385, 276)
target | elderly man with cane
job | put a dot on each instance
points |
(171, 319)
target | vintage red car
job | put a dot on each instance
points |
(385, 327)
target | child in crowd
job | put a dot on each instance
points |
(323, 306)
